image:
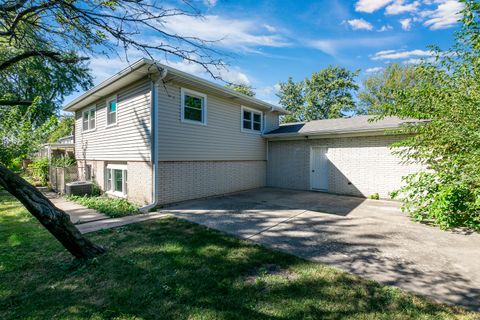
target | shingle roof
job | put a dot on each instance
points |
(341, 125)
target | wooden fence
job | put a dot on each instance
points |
(60, 176)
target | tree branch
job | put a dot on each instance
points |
(15, 102)
(56, 56)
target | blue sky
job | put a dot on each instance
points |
(268, 41)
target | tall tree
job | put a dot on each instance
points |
(63, 127)
(20, 133)
(64, 33)
(326, 94)
(378, 89)
(447, 94)
(291, 97)
(43, 80)
(242, 88)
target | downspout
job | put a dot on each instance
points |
(154, 139)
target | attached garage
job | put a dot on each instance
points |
(350, 156)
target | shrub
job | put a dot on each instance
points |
(375, 196)
(64, 161)
(39, 170)
(113, 207)
(441, 199)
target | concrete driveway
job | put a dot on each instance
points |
(370, 238)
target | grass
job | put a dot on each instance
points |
(172, 269)
(112, 207)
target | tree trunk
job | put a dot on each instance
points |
(55, 220)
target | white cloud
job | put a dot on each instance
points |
(419, 60)
(229, 33)
(268, 90)
(373, 70)
(370, 5)
(399, 6)
(384, 28)
(406, 23)
(444, 16)
(332, 46)
(103, 68)
(398, 54)
(232, 74)
(268, 93)
(359, 24)
(210, 3)
(269, 28)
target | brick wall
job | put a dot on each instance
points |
(139, 179)
(184, 180)
(359, 166)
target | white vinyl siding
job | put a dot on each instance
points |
(271, 121)
(220, 140)
(129, 140)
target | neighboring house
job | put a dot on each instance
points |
(64, 147)
(157, 135)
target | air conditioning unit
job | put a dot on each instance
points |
(78, 188)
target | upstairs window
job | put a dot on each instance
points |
(88, 119)
(251, 120)
(194, 107)
(111, 112)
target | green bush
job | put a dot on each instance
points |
(375, 196)
(441, 199)
(63, 161)
(39, 170)
(113, 207)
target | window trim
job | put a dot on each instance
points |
(183, 92)
(112, 167)
(252, 111)
(107, 102)
(95, 123)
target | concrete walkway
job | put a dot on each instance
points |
(118, 222)
(370, 238)
(78, 213)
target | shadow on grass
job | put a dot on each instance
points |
(172, 269)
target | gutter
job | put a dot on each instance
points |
(154, 140)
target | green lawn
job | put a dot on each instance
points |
(171, 269)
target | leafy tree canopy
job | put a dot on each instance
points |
(63, 128)
(326, 94)
(447, 93)
(242, 88)
(379, 88)
(20, 135)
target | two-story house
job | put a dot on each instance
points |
(157, 135)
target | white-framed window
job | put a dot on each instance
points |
(252, 120)
(112, 111)
(88, 119)
(194, 107)
(116, 179)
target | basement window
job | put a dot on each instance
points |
(116, 180)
